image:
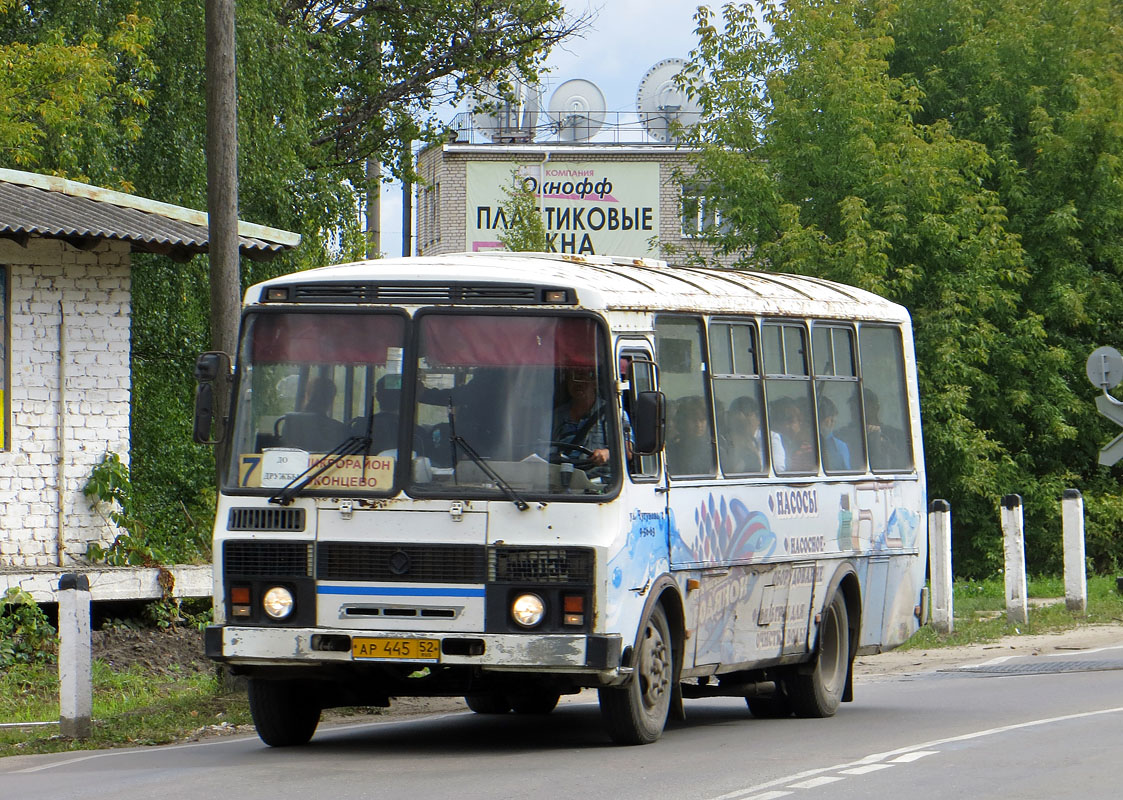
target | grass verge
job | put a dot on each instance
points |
(980, 611)
(130, 708)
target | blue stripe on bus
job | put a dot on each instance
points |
(399, 591)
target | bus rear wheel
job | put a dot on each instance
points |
(285, 713)
(637, 712)
(818, 692)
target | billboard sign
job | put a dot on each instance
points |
(589, 208)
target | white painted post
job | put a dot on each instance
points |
(939, 565)
(1076, 581)
(74, 656)
(1017, 607)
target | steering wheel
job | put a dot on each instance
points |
(557, 448)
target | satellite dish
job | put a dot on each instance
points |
(577, 110)
(512, 118)
(660, 102)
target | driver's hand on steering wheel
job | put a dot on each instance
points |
(600, 456)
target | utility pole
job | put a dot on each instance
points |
(222, 175)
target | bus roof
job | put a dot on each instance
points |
(599, 282)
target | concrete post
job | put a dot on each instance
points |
(939, 565)
(74, 656)
(1017, 607)
(1076, 581)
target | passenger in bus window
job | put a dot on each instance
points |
(888, 446)
(788, 419)
(743, 437)
(689, 445)
(836, 454)
(384, 424)
(314, 429)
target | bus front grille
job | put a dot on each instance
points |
(267, 559)
(265, 519)
(557, 565)
(413, 563)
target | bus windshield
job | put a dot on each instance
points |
(504, 405)
(310, 382)
(515, 400)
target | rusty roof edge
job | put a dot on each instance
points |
(191, 216)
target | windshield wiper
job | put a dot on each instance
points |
(348, 447)
(459, 441)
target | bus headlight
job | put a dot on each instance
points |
(528, 610)
(277, 602)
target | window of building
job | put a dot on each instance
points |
(699, 213)
(5, 363)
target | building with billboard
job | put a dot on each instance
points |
(605, 183)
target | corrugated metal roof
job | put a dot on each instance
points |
(42, 205)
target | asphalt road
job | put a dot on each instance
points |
(1009, 724)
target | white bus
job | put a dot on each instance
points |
(511, 477)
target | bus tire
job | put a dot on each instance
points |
(285, 713)
(817, 692)
(534, 702)
(493, 703)
(636, 713)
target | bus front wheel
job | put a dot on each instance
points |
(817, 693)
(637, 712)
(284, 712)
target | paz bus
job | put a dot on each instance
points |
(512, 477)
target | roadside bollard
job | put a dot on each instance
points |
(1017, 606)
(74, 656)
(1076, 579)
(939, 561)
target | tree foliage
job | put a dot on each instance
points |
(962, 158)
(525, 230)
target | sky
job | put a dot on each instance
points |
(625, 38)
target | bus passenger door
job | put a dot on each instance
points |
(641, 553)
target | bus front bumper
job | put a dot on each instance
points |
(308, 646)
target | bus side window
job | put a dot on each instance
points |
(841, 440)
(788, 389)
(643, 376)
(742, 446)
(680, 352)
(885, 399)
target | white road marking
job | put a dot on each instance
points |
(908, 758)
(755, 791)
(822, 780)
(868, 768)
(1071, 653)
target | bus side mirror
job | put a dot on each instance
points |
(209, 368)
(649, 422)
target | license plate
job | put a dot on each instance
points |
(386, 649)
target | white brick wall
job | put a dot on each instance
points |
(94, 289)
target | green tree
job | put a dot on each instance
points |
(525, 231)
(824, 159)
(71, 104)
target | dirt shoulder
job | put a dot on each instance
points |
(900, 662)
